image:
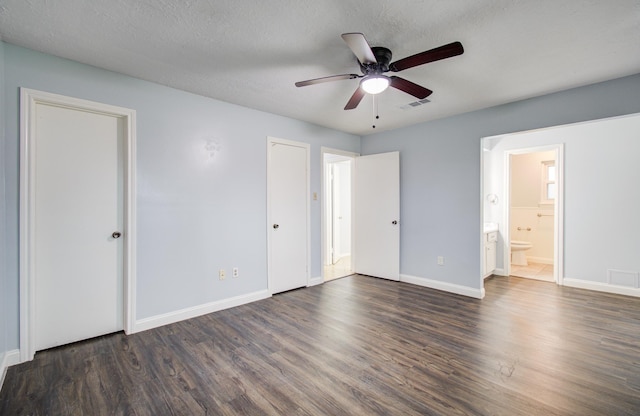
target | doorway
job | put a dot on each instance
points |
(539, 200)
(374, 185)
(337, 168)
(77, 220)
(532, 197)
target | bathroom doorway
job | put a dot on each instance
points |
(532, 198)
(337, 177)
(534, 189)
(498, 153)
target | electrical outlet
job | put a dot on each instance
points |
(236, 273)
(221, 274)
(440, 261)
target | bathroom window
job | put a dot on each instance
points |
(548, 182)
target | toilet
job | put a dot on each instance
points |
(518, 248)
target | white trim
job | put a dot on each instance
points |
(3, 369)
(444, 286)
(10, 358)
(601, 287)
(195, 311)
(307, 147)
(28, 101)
(545, 181)
(483, 239)
(314, 281)
(323, 212)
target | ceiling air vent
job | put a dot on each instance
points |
(415, 104)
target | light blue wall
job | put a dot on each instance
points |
(440, 171)
(5, 297)
(197, 213)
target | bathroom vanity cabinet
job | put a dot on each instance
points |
(490, 243)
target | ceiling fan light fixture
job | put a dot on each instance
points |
(374, 84)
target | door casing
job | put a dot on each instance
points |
(29, 99)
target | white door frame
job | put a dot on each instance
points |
(271, 141)
(323, 210)
(28, 100)
(558, 208)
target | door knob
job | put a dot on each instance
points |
(394, 222)
(116, 234)
(276, 226)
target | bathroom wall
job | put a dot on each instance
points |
(526, 194)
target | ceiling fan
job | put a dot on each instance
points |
(375, 61)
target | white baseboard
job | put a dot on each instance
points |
(444, 286)
(497, 272)
(601, 287)
(195, 311)
(539, 260)
(8, 359)
(12, 357)
(3, 368)
(318, 280)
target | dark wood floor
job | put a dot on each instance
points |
(357, 346)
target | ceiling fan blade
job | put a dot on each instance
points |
(409, 87)
(443, 52)
(360, 47)
(355, 99)
(326, 79)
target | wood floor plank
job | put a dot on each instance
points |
(357, 346)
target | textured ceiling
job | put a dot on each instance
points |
(251, 52)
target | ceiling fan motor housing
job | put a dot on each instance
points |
(383, 56)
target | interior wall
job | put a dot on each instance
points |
(4, 295)
(440, 173)
(201, 172)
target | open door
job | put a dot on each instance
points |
(377, 215)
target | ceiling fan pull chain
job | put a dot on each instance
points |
(375, 111)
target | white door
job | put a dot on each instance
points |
(288, 225)
(78, 205)
(377, 215)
